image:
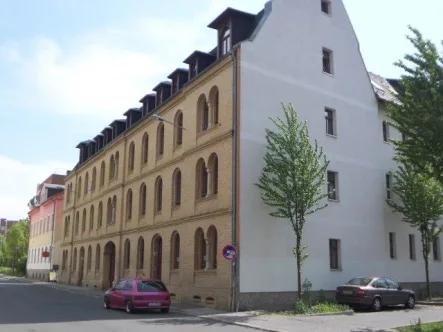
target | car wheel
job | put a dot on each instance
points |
(128, 307)
(376, 304)
(106, 303)
(164, 310)
(411, 302)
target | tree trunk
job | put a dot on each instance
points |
(426, 250)
(428, 287)
(298, 253)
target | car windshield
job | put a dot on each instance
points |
(151, 286)
(359, 281)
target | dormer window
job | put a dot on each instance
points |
(177, 84)
(159, 97)
(225, 41)
(194, 69)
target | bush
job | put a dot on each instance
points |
(303, 308)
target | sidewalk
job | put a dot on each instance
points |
(383, 321)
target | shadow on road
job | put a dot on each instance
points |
(370, 330)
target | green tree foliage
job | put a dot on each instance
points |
(419, 198)
(419, 113)
(15, 248)
(292, 181)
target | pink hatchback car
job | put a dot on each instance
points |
(134, 294)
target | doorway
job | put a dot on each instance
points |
(108, 265)
(157, 246)
(81, 266)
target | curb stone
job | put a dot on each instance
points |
(429, 303)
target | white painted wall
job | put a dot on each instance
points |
(284, 64)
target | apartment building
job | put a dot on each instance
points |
(45, 215)
(161, 192)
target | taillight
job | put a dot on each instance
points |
(361, 292)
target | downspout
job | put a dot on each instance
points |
(52, 235)
(235, 262)
(122, 214)
(71, 251)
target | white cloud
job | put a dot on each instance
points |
(18, 183)
(106, 72)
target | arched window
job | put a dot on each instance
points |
(97, 257)
(111, 167)
(84, 221)
(117, 163)
(77, 222)
(142, 202)
(79, 187)
(91, 218)
(100, 215)
(158, 194)
(145, 148)
(160, 139)
(175, 251)
(214, 102)
(86, 183)
(102, 174)
(89, 259)
(202, 114)
(225, 41)
(176, 187)
(127, 255)
(212, 244)
(178, 129)
(114, 209)
(140, 253)
(199, 250)
(94, 178)
(109, 211)
(131, 157)
(74, 262)
(201, 179)
(213, 173)
(129, 205)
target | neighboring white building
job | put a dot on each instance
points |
(285, 61)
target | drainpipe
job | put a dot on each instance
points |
(71, 251)
(235, 262)
(120, 265)
(52, 249)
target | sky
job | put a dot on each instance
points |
(69, 68)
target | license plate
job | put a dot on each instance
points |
(154, 304)
(347, 292)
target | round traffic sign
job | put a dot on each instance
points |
(229, 252)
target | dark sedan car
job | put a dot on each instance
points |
(374, 292)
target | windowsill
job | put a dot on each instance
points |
(159, 157)
(144, 165)
(209, 129)
(178, 147)
(334, 200)
(328, 74)
(327, 14)
(158, 213)
(207, 198)
(206, 272)
(130, 172)
(175, 271)
(176, 207)
(336, 270)
(413, 259)
(393, 259)
(387, 142)
(331, 136)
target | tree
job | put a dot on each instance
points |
(418, 115)
(15, 248)
(420, 201)
(292, 181)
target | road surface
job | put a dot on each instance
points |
(27, 307)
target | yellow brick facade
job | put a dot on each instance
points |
(86, 256)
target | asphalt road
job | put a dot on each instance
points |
(26, 307)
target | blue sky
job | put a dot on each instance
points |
(68, 68)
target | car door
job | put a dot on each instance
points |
(118, 294)
(397, 296)
(381, 288)
(127, 292)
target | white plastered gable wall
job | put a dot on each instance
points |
(283, 63)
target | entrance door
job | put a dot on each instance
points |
(157, 257)
(81, 266)
(108, 265)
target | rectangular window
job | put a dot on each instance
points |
(388, 186)
(327, 61)
(392, 246)
(333, 185)
(436, 249)
(385, 131)
(330, 122)
(334, 254)
(326, 6)
(412, 254)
